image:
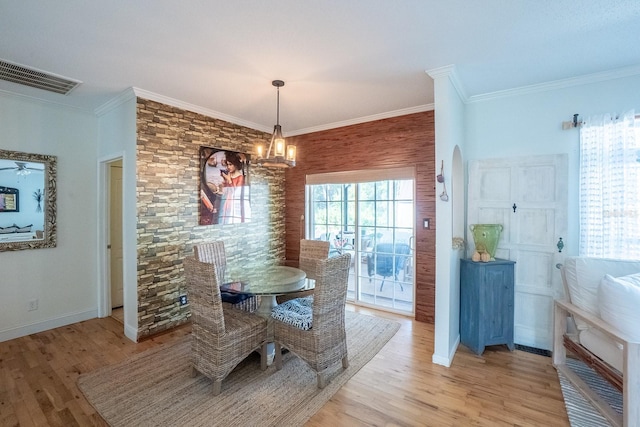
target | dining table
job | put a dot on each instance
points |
(267, 283)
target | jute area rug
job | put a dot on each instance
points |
(580, 412)
(155, 388)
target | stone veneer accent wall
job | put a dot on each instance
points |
(400, 141)
(168, 142)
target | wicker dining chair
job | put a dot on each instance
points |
(220, 339)
(324, 342)
(311, 251)
(214, 252)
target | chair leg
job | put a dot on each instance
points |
(345, 362)
(263, 356)
(278, 355)
(382, 284)
(321, 382)
(217, 387)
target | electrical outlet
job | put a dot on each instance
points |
(33, 305)
(183, 299)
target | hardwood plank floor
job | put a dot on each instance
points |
(399, 387)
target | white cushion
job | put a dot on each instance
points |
(584, 274)
(619, 304)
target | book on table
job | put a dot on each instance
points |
(233, 292)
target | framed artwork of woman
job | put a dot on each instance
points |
(225, 196)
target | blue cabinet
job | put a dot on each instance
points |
(486, 303)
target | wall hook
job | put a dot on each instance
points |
(440, 177)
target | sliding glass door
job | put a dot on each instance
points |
(373, 220)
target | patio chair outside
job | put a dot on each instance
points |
(389, 259)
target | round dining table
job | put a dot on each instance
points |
(268, 283)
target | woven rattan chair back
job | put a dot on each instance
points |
(330, 293)
(204, 295)
(214, 252)
(317, 249)
(220, 338)
(326, 342)
(311, 251)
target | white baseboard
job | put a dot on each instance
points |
(21, 331)
(446, 361)
(131, 333)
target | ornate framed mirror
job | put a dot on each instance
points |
(27, 201)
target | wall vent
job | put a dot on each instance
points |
(36, 78)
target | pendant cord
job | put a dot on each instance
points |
(278, 108)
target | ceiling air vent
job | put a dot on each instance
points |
(36, 78)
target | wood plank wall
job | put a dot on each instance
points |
(396, 142)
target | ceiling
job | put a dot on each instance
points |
(343, 61)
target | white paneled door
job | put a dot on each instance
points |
(528, 196)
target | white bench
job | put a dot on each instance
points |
(611, 348)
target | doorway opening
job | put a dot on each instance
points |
(114, 240)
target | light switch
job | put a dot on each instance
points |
(425, 223)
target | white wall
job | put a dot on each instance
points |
(528, 122)
(449, 120)
(520, 122)
(117, 139)
(61, 278)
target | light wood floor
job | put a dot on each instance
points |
(399, 387)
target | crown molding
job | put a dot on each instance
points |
(450, 72)
(125, 96)
(8, 93)
(133, 92)
(197, 109)
(365, 119)
(559, 84)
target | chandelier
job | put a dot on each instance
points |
(279, 154)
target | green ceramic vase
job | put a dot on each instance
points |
(485, 237)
